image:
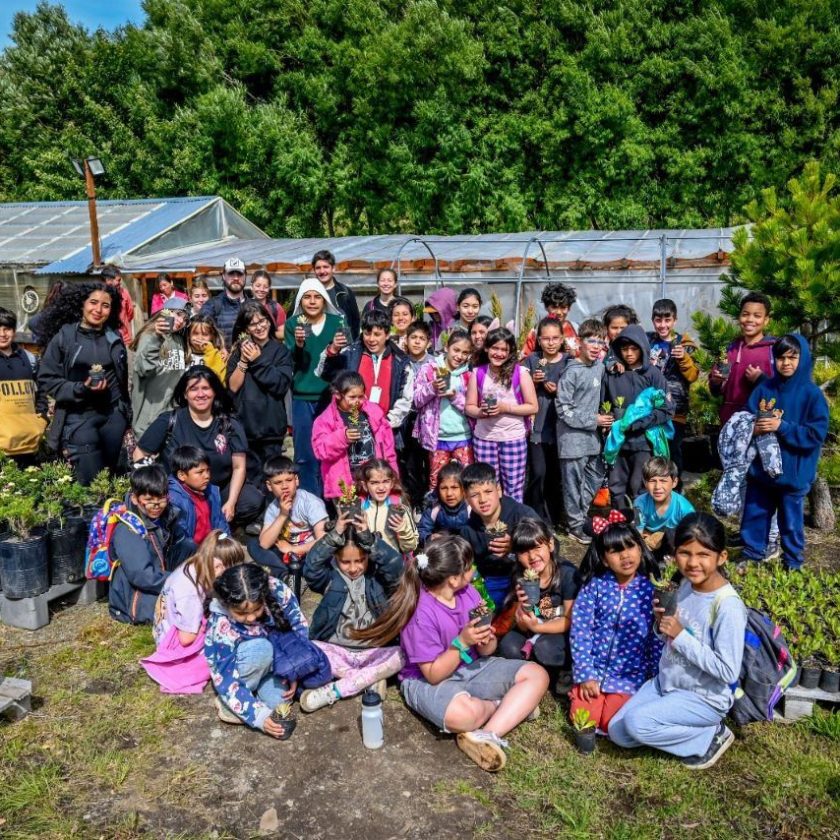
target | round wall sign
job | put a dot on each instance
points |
(30, 300)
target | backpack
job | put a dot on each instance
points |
(515, 384)
(99, 564)
(767, 668)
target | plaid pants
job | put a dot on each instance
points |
(509, 458)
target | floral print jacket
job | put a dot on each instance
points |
(427, 402)
(612, 634)
(223, 637)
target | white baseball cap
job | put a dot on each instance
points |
(234, 264)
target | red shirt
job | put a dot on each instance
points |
(202, 515)
(382, 378)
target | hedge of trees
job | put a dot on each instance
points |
(447, 116)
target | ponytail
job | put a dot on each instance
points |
(445, 558)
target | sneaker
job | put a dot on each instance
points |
(316, 698)
(773, 553)
(225, 714)
(578, 535)
(722, 741)
(485, 748)
(535, 714)
(253, 529)
(563, 683)
(741, 567)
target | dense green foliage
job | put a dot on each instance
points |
(351, 116)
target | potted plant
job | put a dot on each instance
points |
(584, 727)
(666, 588)
(530, 583)
(284, 715)
(722, 364)
(442, 372)
(349, 502)
(539, 373)
(96, 374)
(341, 330)
(483, 613)
(767, 408)
(303, 322)
(618, 408)
(496, 530)
(24, 565)
(810, 670)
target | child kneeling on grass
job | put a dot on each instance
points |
(248, 606)
(451, 677)
(681, 710)
(355, 571)
(614, 647)
(178, 664)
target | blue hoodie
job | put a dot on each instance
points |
(804, 423)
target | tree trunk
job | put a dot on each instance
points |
(822, 511)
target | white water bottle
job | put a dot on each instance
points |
(373, 735)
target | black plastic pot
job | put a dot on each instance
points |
(483, 621)
(289, 724)
(585, 741)
(830, 681)
(531, 588)
(667, 599)
(24, 566)
(618, 412)
(67, 551)
(809, 676)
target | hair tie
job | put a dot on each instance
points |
(224, 537)
(599, 524)
(422, 561)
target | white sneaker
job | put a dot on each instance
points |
(485, 748)
(225, 714)
(316, 698)
(381, 688)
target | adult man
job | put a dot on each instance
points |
(224, 308)
(113, 278)
(323, 264)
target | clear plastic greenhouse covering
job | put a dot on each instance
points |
(631, 266)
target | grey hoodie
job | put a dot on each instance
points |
(577, 401)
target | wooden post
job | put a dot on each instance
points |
(90, 187)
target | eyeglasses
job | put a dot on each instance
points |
(155, 503)
(595, 342)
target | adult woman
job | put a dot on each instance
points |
(259, 374)
(202, 418)
(261, 290)
(166, 291)
(85, 369)
(159, 361)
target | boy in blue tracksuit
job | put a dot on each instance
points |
(793, 408)
(192, 496)
(449, 513)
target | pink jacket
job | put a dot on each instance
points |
(427, 403)
(158, 300)
(330, 446)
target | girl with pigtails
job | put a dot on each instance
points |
(451, 677)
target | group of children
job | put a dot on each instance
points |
(404, 508)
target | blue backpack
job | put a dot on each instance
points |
(767, 667)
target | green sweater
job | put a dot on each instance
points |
(305, 385)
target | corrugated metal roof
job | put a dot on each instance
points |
(485, 252)
(56, 234)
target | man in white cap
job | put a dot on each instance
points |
(224, 308)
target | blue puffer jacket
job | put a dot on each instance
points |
(804, 424)
(383, 575)
(441, 519)
(181, 501)
(612, 634)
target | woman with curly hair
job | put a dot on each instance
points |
(85, 369)
(501, 398)
(202, 417)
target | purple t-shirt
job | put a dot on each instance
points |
(180, 605)
(432, 628)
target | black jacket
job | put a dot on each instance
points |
(344, 299)
(476, 535)
(631, 383)
(22, 366)
(383, 575)
(261, 401)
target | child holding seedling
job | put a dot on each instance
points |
(501, 398)
(614, 648)
(492, 520)
(793, 408)
(660, 508)
(540, 606)
(248, 606)
(442, 428)
(292, 522)
(681, 710)
(355, 572)
(385, 512)
(449, 513)
(178, 664)
(349, 433)
(451, 677)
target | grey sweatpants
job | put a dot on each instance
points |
(581, 478)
